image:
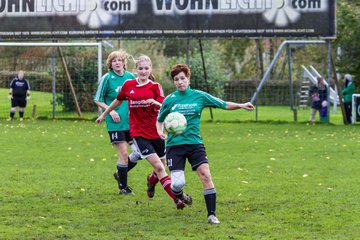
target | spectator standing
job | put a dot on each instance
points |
(347, 92)
(319, 103)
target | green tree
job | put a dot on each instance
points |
(348, 38)
(214, 65)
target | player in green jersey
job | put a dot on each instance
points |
(189, 144)
(117, 122)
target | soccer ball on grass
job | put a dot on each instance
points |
(175, 123)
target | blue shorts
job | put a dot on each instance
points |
(176, 156)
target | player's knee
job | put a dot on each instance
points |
(177, 180)
(159, 168)
(134, 157)
(204, 175)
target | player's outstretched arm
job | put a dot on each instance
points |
(234, 106)
(112, 106)
(114, 115)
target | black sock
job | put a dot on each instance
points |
(131, 165)
(12, 114)
(122, 172)
(21, 114)
(177, 194)
(210, 200)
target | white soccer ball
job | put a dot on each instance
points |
(175, 123)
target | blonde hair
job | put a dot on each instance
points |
(144, 58)
(117, 54)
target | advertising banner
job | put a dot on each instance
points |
(355, 115)
(57, 19)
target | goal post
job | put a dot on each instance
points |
(45, 67)
(57, 44)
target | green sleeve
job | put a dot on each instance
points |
(100, 92)
(211, 101)
(164, 110)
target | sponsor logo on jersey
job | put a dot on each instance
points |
(138, 103)
(20, 84)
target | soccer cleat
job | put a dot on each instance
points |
(179, 204)
(212, 219)
(117, 178)
(126, 191)
(186, 199)
(151, 188)
(21, 119)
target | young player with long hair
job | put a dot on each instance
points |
(117, 122)
(189, 144)
(144, 99)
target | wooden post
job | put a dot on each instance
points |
(34, 111)
(339, 90)
(205, 75)
(69, 80)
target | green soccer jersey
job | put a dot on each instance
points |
(190, 103)
(109, 87)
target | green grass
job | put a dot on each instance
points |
(277, 114)
(274, 181)
(42, 102)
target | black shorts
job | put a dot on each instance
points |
(18, 102)
(147, 147)
(176, 156)
(120, 136)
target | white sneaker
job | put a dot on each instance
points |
(212, 219)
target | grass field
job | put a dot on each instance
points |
(278, 114)
(274, 181)
(42, 102)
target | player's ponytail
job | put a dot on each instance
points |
(152, 77)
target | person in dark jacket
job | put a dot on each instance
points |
(347, 93)
(318, 95)
(19, 94)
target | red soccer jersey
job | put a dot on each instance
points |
(142, 115)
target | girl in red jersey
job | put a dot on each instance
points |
(144, 98)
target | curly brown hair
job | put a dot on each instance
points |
(117, 54)
(178, 68)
